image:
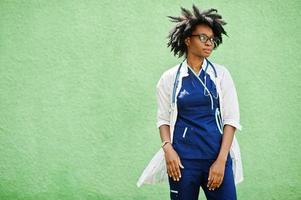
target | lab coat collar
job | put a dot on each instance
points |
(184, 68)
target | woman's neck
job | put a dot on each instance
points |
(195, 62)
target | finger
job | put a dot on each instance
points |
(214, 186)
(180, 163)
(169, 173)
(169, 170)
(211, 186)
(221, 181)
(209, 178)
(217, 182)
(181, 166)
(172, 175)
(173, 171)
(178, 170)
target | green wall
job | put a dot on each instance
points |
(77, 95)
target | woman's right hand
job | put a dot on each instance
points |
(173, 162)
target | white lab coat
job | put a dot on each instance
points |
(155, 171)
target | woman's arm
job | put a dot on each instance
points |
(228, 136)
(231, 113)
(231, 123)
(172, 159)
(217, 169)
(173, 162)
(164, 133)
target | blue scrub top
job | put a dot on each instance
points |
(196, 134)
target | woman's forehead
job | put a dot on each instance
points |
(205, 29)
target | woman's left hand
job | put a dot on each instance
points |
(216, 174)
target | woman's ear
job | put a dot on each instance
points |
(187, 41)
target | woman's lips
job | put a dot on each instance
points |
(207, 50)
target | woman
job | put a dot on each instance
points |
(198, 114)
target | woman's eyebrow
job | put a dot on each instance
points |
(207, 35)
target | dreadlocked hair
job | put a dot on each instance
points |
(187, 23)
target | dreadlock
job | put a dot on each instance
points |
(187, 23)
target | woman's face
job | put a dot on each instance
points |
(194, 44)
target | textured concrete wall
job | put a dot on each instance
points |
(77, 95)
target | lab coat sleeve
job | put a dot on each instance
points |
(163, 103)
(230, 101)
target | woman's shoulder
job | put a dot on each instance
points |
(219, 67)
(221, 70)
(167, 78)
(170, 73)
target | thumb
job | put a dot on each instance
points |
(181, 164)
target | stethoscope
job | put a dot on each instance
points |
(215, 74)
(206, 91)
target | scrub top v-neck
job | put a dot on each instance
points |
(196, 134)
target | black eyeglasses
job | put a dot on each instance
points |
(204, 38)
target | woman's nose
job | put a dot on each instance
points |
(209, 43)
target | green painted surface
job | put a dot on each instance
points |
(77, 95)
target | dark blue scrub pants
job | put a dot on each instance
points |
(195, 175)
